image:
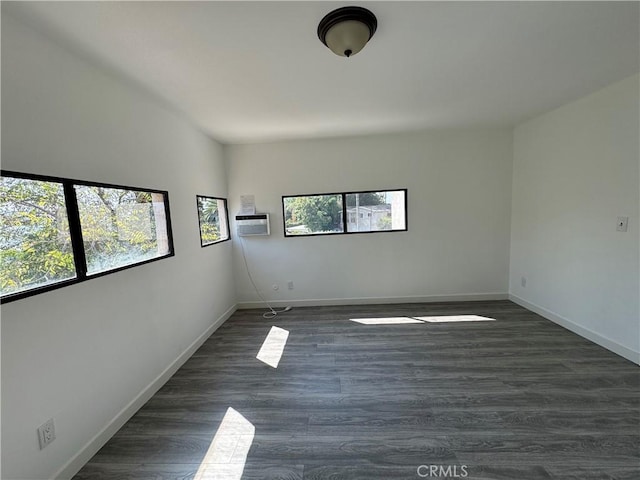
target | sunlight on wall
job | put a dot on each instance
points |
(273, 346)
(228, 451)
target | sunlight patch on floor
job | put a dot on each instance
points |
(456, 318)
(273, 347)
(228, 451)
(385, 321)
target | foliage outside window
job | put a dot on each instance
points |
(355, 212)
(313, 214)
(213, 220)
(120, 226)
(35, 245)
(59, 231)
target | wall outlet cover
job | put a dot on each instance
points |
(46, 433)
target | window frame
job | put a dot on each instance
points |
(345, 213)
(75, 231)
(226, 216)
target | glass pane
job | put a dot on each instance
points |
(35, 245)
(376, 211)
(121, 227)
(313, 214)
(212, 215)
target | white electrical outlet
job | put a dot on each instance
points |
(523, 281)
(46, 433)
(275, 286)
(290, 285)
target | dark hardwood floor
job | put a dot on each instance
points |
(515, 398)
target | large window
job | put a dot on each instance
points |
(313, 214)
(120, 226)
(213, 220)
(336, 213)
(35, 245)
(59, 231)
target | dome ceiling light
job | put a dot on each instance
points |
(347, 30)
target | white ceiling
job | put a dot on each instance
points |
(256, 71)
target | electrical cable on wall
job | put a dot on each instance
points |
(272, 313)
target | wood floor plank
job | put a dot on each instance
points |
(180, 471)
(594, 472)
(514, 398)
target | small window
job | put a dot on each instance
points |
(121, 227)
(313, 214)
(336, 213)
(213, 220)
(57, 231)
(35, 246)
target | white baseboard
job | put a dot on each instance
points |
(316, 302)
(597, 338)
(74, 465)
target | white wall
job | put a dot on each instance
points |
(575, 171)
(457, 244)
(83, 353)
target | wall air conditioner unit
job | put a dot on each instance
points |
(256, 224)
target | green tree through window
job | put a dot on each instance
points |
(351, 212)
(212, 216)
(59, 231)
(316, 213)
(35, 245)
(119, 226)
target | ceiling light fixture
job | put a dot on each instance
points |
(347, 30)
